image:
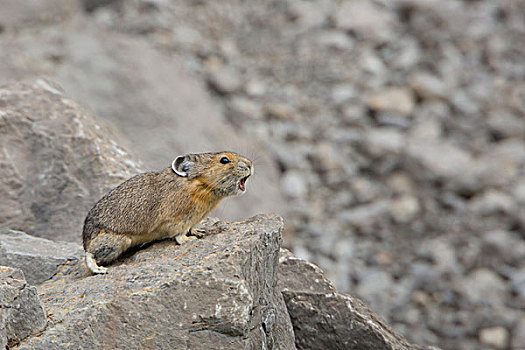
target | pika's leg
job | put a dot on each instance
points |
(104, 248)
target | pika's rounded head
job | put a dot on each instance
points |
(224, 173)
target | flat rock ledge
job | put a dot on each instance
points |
(37, 257)
(233, 289)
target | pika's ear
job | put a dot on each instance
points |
(181, 165)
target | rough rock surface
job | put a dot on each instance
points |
(217, 292)
(38, 258)
(55, 161)
(232, 289)
(323, 318)
(21, 313)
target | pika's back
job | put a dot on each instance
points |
(126, 207)
(168, 203)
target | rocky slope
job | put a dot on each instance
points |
(229, 290)
(397, 127)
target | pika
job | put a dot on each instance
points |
(159, 205)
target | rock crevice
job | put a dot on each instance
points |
(21, 313)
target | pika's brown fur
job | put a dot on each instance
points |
(159, 205)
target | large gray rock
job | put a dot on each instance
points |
(215, 293)
(55, 161)
(39, 258)
(441, 158)
(21, 313)
(323, 318)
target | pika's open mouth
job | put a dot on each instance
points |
(242, 183)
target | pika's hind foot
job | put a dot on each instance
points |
(181, 239)
(93, 267)
(105, 248)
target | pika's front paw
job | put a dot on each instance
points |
(197, 231)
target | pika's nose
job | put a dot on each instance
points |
(246, 166)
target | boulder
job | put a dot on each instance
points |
(21, 313)
(214, 293)
(55, 161)
(323, 318)
(440, 158)
(38, 258)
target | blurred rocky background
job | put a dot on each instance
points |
(390, 134)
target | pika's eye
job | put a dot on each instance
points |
(225, 160)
